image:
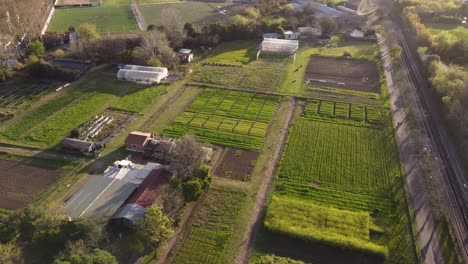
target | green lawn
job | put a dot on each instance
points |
(127, 2)
(456, 30)
(200, 13)
(106, 18)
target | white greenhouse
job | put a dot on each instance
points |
(142, 74)
(280, 46)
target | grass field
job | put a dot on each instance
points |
(127, 2)
(212, 228)
(137, 102)
(200, 13)
(106, 18)
(341, 228)
(53, 121)
(227, 118)
(456, 30)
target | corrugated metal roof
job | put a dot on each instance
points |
(132, 212)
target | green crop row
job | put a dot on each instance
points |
(343, 113)
(212, 228)
(136, 102)
(342, 157)
(335, 227)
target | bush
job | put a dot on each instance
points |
(35, 48)
(5, 73)
(450, 19)
(203, 174)
(192, 190)
(45, 70)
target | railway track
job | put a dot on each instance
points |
(447, 162)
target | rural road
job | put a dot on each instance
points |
(426, 231)
(256, 217)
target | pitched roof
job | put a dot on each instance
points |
(76, 144)
(146, 193)
(137, 137)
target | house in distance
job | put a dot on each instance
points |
(185, 55)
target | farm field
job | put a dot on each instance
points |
(17, 93)
(227, 118)
(456, 30)
(127, 2)
(344, 113)
(350, 74)
(210, 233)
(137, 101)
(235, 164)
(20, 182)
(106, 18)
(337, 160)
(306, 220)
(49, 124)
(200, 13)
(294, 84)
(234, 64)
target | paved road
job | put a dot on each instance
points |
(423, 219)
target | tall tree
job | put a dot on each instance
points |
(87, 32)
(187, 156)
(35, 48)
(327, 26)
(155, 227)
(10, 253)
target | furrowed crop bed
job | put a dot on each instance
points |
(212, 228)
(136, 102)
(359, 75)
(252, 78)
(228, 118)
(349, 158)
(344, 113)
(340, 228)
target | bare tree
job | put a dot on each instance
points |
(173, 24)
(155, 44)
(187, 155)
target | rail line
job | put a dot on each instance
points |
(452, 173)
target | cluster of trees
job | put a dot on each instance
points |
(31, 236)
(43, 69)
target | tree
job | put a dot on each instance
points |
(395, 53)
(35, 48)
(155, 227)
(155, 44)
(10, 253)
(187, 155)
(173, 26)
(327, 26)
(87, 32)
(5, 73)
(192, 190)
(448, 46)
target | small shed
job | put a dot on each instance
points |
(356, 34)
(271, 35)
(85, 147)
(185, 55)
(136, 141)
(291, 35)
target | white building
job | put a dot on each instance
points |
(280, 46)
(309, 32)
(142, 74)
(291, 35)
(356, 34)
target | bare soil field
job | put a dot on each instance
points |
(236, 164)
(20, 182)
(358, 75)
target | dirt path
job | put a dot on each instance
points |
(45, 154)
(415, 186)
(249, 236)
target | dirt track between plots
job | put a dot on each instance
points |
(20, 182)
(359, 75)
(236, 164)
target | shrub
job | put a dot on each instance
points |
(450, 19)
(203, 174)
(45, 70)
(35, 48)
(5, 73)
(192, 190)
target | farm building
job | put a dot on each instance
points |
(357, 34)
(143, 197)
(84, 147)
(185, 55)
(271, 35)
(136, 141)
(280, 46)
(309, 31)
(291, 35)
(142, 74)
(102, 196)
